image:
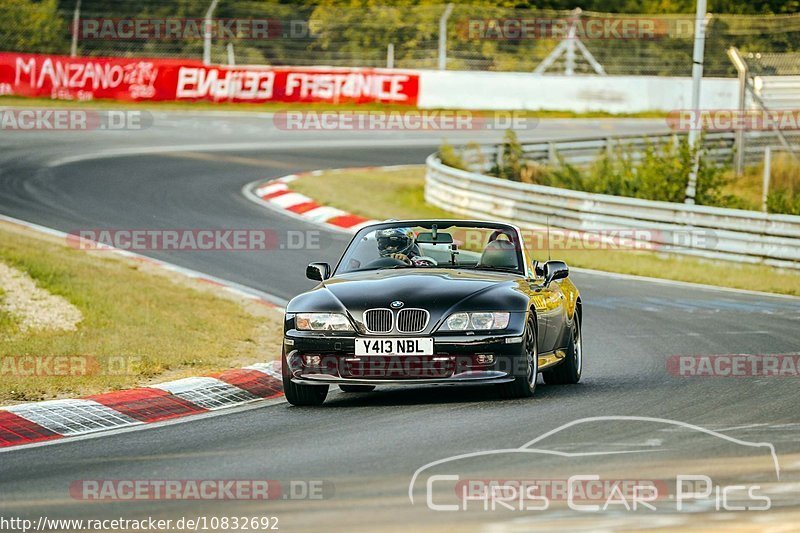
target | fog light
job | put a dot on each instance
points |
(313, 360)
(484, 358)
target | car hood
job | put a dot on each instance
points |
(437, 290)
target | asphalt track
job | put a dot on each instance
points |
(187, 172)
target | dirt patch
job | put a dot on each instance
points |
(32, 307)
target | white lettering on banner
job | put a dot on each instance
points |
(195, 82)
(83, 75)
(356, 85)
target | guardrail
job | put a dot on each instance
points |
(711, 232)
(719, 148)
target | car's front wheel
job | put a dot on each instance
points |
(526, 368)
(301, 394)
(357, 388)
(568, 372)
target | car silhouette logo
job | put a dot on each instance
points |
(397, 304)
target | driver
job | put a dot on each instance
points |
(397, 243)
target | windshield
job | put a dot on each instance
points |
(439, 245)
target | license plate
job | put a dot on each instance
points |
(415, 346)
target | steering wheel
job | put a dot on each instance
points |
(385, 262)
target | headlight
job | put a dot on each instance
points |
(322, 322)
(463, 321)
(458, 321)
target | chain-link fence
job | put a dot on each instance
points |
(477, 37)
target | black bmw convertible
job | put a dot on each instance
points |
(433, 301)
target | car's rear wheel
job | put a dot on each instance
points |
(357, 388)
(525, 368)
(568, 372)
(300, 395)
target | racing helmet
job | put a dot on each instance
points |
(394, 241)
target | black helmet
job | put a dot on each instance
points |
(394, 241)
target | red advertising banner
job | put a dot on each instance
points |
(132, 79)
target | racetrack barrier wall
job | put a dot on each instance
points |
(150, 79)
(710, 232)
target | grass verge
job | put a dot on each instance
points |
(272, 107)
(382, 194)
(140, 324)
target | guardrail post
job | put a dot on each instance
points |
(609, 147)
(552, 156)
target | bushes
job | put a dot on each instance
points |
(783, 201)
(511, 158)
(468, 158)
(784, 196)
(659, 172)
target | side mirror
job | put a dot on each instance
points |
(318, 271)
(554, 270)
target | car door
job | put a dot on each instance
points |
(555, 316)
(551, 311)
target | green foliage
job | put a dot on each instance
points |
(511, 159)
(357, 32)
(783, 201)
(451, 157)
(31, 26)
(659, 172)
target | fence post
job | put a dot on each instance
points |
(390, 55)
(767, 176)
(207, 32)
(76, 21)
(698, 53)
(443, 36)
(741, 68)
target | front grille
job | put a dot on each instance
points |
(379, 320)
(412, 320)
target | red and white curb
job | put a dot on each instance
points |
(277, 194)
(30, 423)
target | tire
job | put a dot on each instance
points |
(524, 385)
(301, 395)
(357, 388)
(568, 372)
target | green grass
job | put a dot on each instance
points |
(163, 325)
(382, 194)
(749, 187)
(16, 101)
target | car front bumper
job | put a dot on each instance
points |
(317, 359)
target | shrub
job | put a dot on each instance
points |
(658, 172)
(450, 157)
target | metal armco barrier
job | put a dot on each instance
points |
(710, 232)
(719, 147)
